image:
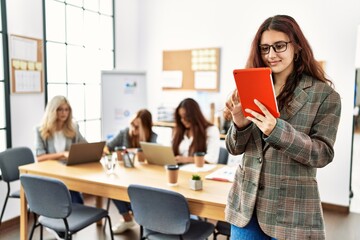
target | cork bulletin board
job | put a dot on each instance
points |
(193, 69)
(26, 64)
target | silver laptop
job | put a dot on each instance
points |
(85, 153)
(158, 154)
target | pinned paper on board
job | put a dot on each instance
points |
(205, 79)
(26, 56)
(172, 79)
(199, 68)
(27, 81)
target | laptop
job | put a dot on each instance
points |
(158, 154)
(84, 153)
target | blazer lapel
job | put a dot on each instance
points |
(299, 99)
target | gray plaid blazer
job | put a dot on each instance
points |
(277, 177)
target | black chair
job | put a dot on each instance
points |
(223, 156)
(108, 202)
(10, 160)
(164, 214)
(221, 227)
(50, 199)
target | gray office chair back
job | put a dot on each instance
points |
(159, 210)
(11, 159)
(223, 156)
(49, 198)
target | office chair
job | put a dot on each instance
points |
(50, 199)
(108, 202)
(221, 227)
(164, 214)
(223, 156)
(10, 160)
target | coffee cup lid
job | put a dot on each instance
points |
(120, 148)
(172, 167)
(199, 154)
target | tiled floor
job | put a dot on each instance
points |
(338, 226)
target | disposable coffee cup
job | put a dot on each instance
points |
(172, 172)
(119, 152)
(199, 159)
(140, 155)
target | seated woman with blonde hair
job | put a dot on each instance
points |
(56, 133)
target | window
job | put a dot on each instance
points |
(79, 43)
(5, 132)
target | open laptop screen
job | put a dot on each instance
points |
(85, 152)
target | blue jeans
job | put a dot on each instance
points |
(252, 231)
(122, 207)
(76, 197)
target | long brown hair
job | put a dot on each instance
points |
(198, 122)
(304, 61)
(145, 130)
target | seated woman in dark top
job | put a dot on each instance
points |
(140, 130)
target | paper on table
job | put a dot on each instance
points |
(226, 174)
(192, 168)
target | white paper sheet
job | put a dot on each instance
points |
(205, 80)
(172, 79)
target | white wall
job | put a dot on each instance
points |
(24, 18)
(231, 25)
(126, 34)
(357, 53)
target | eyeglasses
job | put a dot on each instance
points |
(62, 109)
(278, 47)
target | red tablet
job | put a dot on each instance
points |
(256, 83)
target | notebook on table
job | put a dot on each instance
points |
(225, 174)
(158, 154)
(84, 153)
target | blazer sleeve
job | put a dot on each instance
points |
(315, 148)
(40, 144)
(153, 137)
(118, 140)
(212, 144)
(236, 139)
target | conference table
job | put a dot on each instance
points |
(92, 179)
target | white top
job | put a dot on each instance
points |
(59, 141)
(212, 145)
